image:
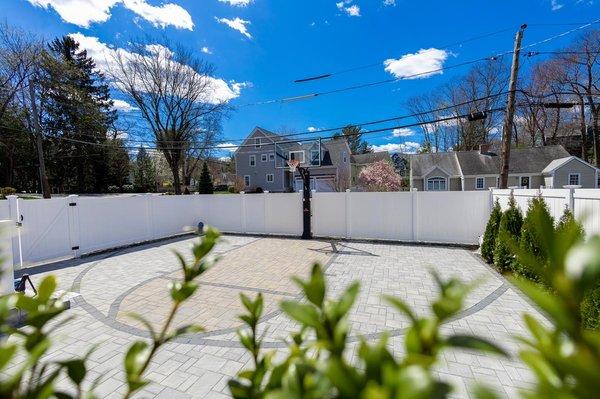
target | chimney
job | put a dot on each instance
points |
(484, 149)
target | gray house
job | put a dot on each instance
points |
(261, 162)
(550, 167)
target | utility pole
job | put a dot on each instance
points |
(510, 109)
(38, 140)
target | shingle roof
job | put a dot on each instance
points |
(421, 164)
(371, 157)
(522, 160)
(557, 163)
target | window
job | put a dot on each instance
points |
(574, 179)
(436, 184)
(270, 178)
(247, 181)
(480, 183)
(314, 157)
(345, 156)
(271, 157)
(257, 142)
(252, 160)
(497, 182)
(297, 156)
(524, 182)
(263, 157)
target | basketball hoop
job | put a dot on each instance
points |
(293, 164)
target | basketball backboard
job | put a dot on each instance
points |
(309, 153)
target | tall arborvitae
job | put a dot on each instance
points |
(491, 232)
(509, 230)
(531, 241)
(144, 173)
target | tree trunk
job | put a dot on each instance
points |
(583, 129)
(176, 179)
(38, 135)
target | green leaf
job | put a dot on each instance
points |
(347, 299)
(135, 358)
(76, 370)
(46, 288)
(146, 323)
(479, 344)
(482, 392)
(401, 306)
(182, 291)
(7, 351)
(304, 314)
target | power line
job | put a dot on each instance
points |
(437, 70)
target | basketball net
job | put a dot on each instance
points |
(293, 164)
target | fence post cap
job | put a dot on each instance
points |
(72, 195)
(12, 196)
(242, 192)
(348, 190)
(266, 192)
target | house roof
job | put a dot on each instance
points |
(557, 163)
(522, 160)
(370, 157)
(422, 164)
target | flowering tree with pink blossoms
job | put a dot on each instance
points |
(380, 176)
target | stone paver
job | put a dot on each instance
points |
(199, 366)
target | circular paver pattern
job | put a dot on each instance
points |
(136, 280)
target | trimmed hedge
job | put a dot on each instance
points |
(491, 231)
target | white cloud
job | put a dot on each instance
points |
(237, 3)
(237, 24)
(556, 5)
(238, 86)
(206, 50)
(389, 2)
(123, 106)
(346, 6)
(419, 63)
(84, 12)
(403, 132)
(228, 147)
(409, 147)
(105, 62)
(312, 129)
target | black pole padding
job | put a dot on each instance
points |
(306, 212)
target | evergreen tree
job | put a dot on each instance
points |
(205, 185)
(568, 221)
(144, 174)
(77, 108)
(491, 232)
(353, 135)
(509, 230)
(531, 241)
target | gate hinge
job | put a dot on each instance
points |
(72, 203)
(74, 248)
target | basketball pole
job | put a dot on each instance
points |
(306, 212)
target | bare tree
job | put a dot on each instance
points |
(175, 94)
(19, 57)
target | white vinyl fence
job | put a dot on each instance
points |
(436, 217)
(583, 202)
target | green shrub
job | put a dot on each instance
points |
(568, 220)
(509, 230)
(6, 191)
(590, 309)
(231, 190)
(205, 185)
(491, 232)
(531, 239)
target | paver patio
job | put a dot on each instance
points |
(108, 286)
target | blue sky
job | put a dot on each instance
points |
(260, 46)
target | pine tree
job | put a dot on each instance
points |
(531, 241)
(491, 232)
(353, 135)
(205, 185)
(568, 221)
(77, 108)
(509, 230)
(144, 174)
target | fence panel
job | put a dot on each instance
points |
(4, 213)
(110, 222)
(587, 209)
(385, 216)
(172, 214)
(45, 231)
(255, 212)
(284, 214)
(222, 211)
(329, 214)
(451, 216)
